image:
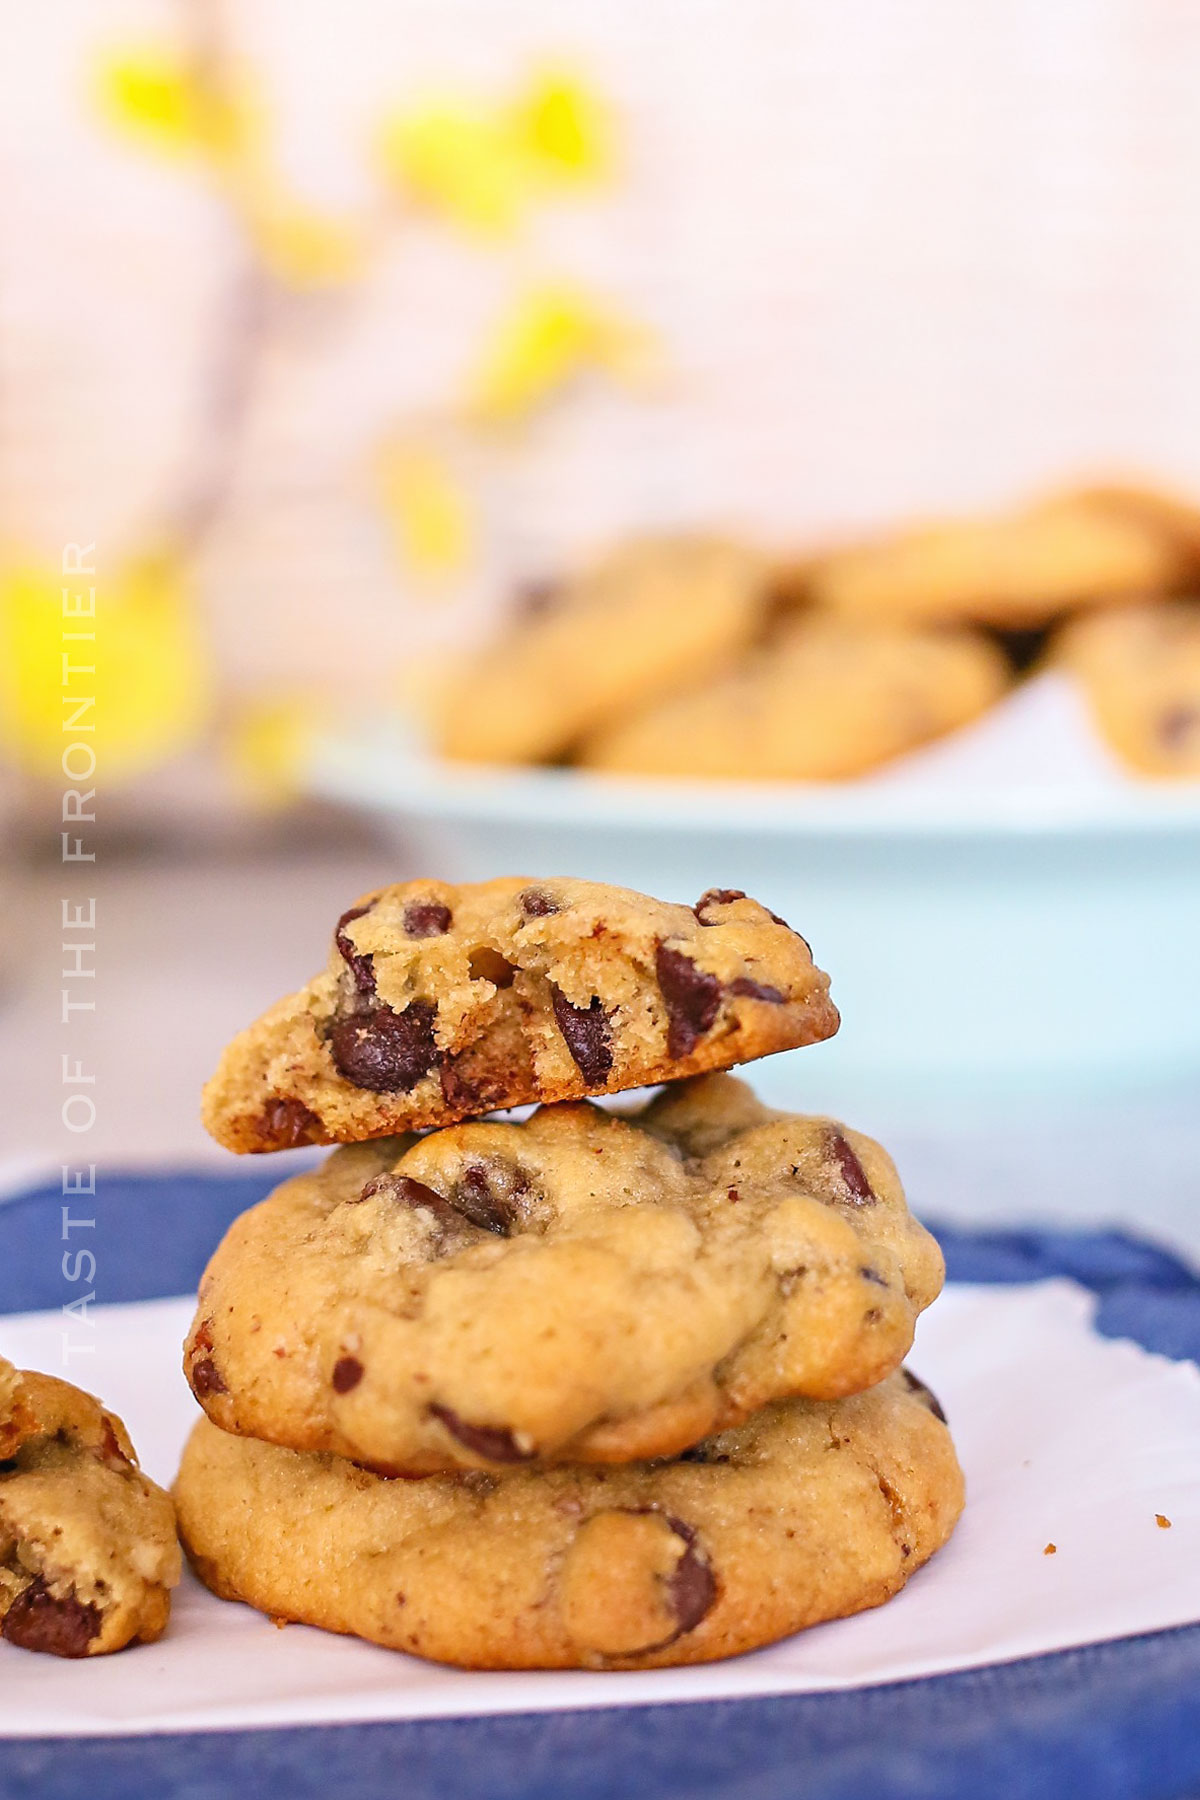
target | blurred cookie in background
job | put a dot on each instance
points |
(651, 616)
(1083, 548)
(1139, 667)
(827, 699)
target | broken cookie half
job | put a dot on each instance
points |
(443, 1002)
(88, 1552)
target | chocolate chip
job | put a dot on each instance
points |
(495, 1442)
(385, 1051)
(287, 1124)
(207, 1379)
(716, 897)
(405, 1191)
(361, 967)
(536, 598)
(1177, 726)
(850, 1169)
(486, 964)
(691, 996)
(480, 1201)
(40, 1620)
(692, 1586)
(536, 903)
(869, 1274)
(587, 1034)
(756, 990)
(347, 1373)
(917, 1386)
(426, 918)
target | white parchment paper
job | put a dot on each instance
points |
(1066, 1438)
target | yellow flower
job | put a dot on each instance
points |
(160, 96)
(554, 334)
(428, 509)
(267, 744)
(134, 692)
(300, 246)
(484, 166)
(564, 126)
(457, 160)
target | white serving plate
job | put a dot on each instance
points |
(988, 929)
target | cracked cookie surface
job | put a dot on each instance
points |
(443, 1002)
(809, 1511)
(585, 1286)
(653, 614)
(88, 1553)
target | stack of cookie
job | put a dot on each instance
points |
(646, 1359)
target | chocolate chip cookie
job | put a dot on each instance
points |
(583, 1286)
(828, 699)
(441, 1003)
(652, 614)
(88, 1553)
(1139, 667)
(1012, 572)
(807, 1512)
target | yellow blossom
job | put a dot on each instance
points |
(162, 97)
(427, 508)
(564, 126)
(551, 336)
(267, 744)
(458, 160)
(300, 246)
(483, 166)
(146, 669)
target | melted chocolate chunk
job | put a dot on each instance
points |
(850, 1169)
(361, 967)
(587, 1033)
(537, 597)
(1178, 725)
(427, 918)
(495, 1442)
(691, 996)
(536, 903)
(692, 1586)
(385, 1051)
(485, 1205)
(715, 897)
(347, 1373)
(917, 1386)
(756, 990)
(405, 1191)
(39, 1620)
(287, 1124)
(207, 1379)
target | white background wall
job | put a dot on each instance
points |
(904, 254)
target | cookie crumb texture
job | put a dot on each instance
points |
(807, 1512)
(88, 1553)
(585, 1285)
(441, 1003)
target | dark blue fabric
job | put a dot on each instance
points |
(1118, 1721)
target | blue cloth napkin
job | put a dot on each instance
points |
(1117, 1721)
